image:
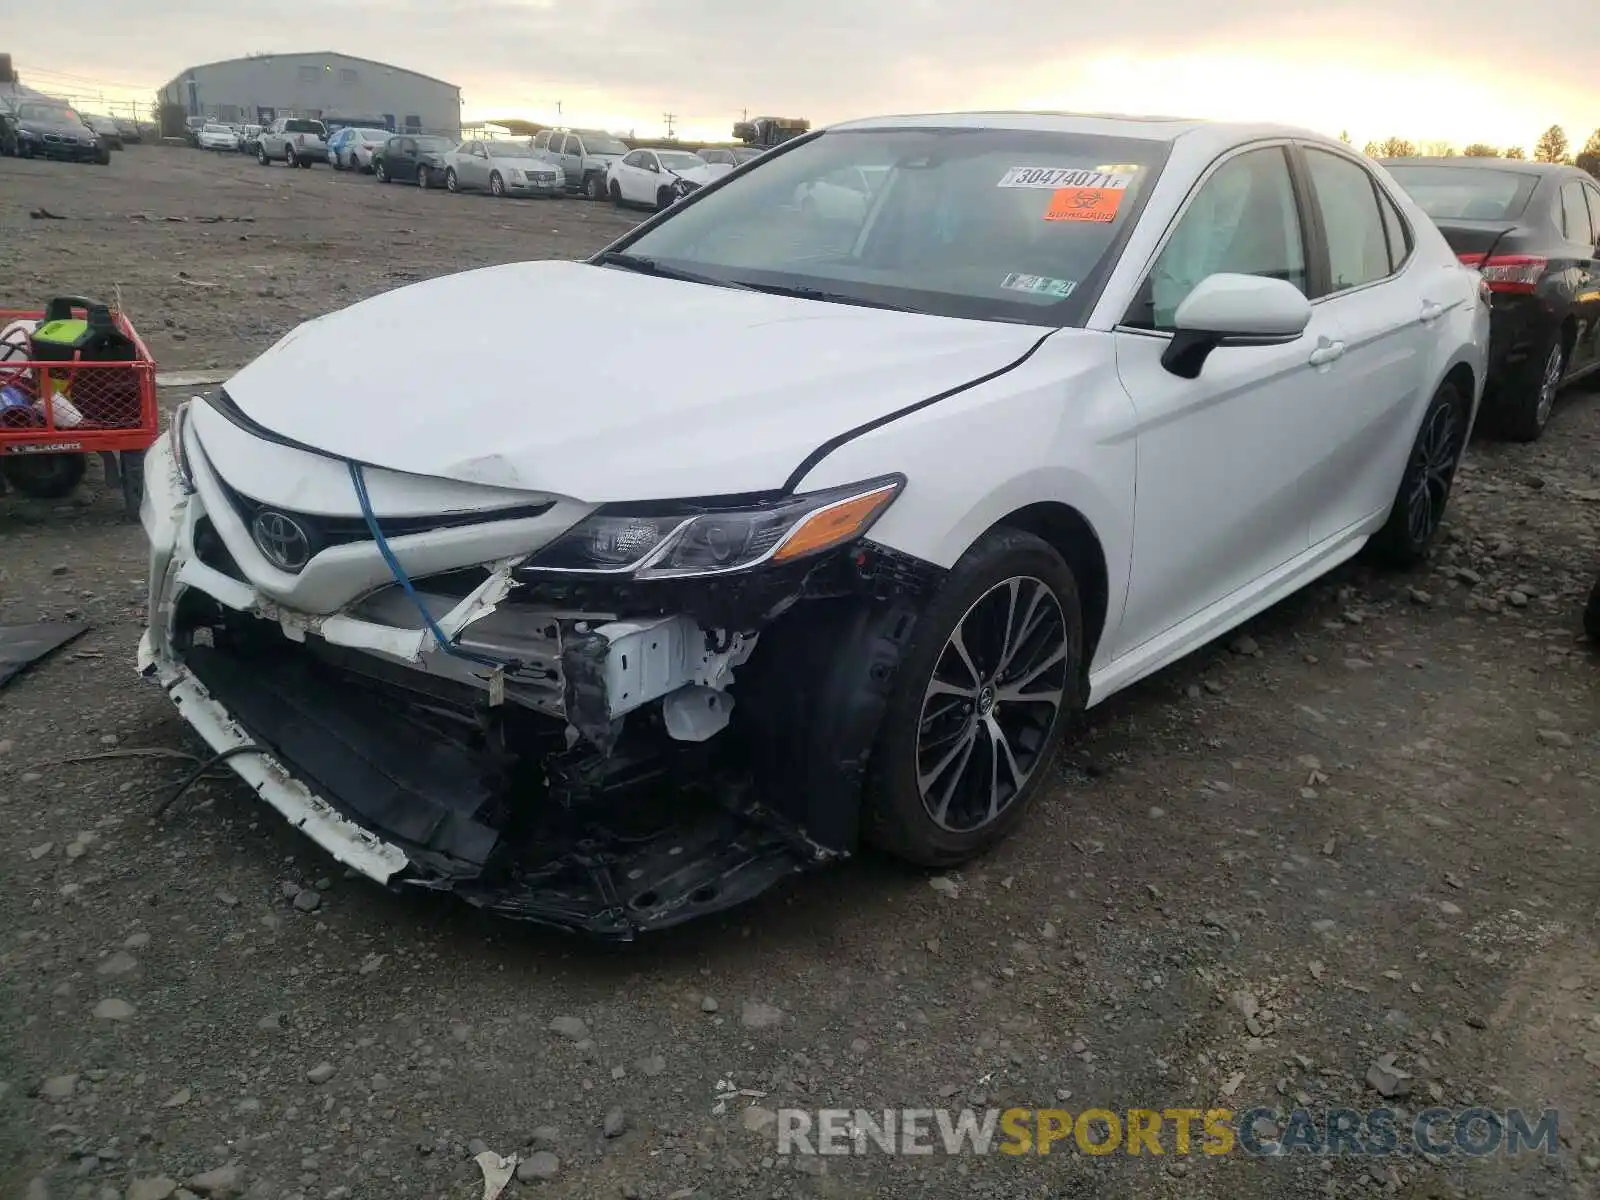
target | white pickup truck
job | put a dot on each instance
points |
(295, 141)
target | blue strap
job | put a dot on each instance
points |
(404, 580)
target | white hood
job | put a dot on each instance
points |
(701, 175)
(603, 384)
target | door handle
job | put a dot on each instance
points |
(1323, 355)
(1431, 311)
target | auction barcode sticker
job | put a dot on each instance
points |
(1052, 178)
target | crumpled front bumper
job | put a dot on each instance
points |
(338, 763)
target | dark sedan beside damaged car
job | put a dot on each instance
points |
(1533, 231)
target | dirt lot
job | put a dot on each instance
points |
(1369, 829)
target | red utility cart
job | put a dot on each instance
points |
(53, 414)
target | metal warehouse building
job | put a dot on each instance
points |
(323, 84)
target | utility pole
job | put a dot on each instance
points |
(669, 118)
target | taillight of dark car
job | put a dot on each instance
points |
(1514, 274)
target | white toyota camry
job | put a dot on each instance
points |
(1062, 400)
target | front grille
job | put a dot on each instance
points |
(323, 532)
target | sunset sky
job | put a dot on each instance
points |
(1430, 73)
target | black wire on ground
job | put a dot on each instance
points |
(193, 777)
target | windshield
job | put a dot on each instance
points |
(435, 145)
(986, 223)
(744, 156)
(596, 144)
(303, 127)
(372, 135)
(674, 160)
(217, 129)
(48, 112)
(510, 149)
(1466, 193)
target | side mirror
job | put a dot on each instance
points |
(1234, 310)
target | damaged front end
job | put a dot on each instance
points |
(610, 720)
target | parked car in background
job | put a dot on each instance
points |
(502, 168)
(352, 148)
(109, 133)
(217, 137)
(8, 131)
(191, 130)
(1077, 396)
(585, 155)
(50, 129)
(295, 141)
(658, 178)
(729, 156)
(249, 139)
(1533, 231)
(413, 158)
(129, 130)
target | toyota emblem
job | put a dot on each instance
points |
(281, 540)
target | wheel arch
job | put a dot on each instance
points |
(1072, 536)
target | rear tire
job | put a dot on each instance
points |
(423, 181)
(958, 760)
(663, 198)
(1419, 503)
(45, 476)
(616, 194)
(1526, 399)
(261, 156)
(594, 187)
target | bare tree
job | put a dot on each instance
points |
(1344, 136)
(1396, 147)
(1513, 152)
(1551, 146)
(1481, 150)
(1589, 157)
(1372, 150)
(1438, 149)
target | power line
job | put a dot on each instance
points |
(85, 80)
(669, 118)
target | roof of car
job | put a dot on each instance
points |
(1153, 128)
(1520, 165)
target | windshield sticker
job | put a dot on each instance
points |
(1084, 204)
(1039, 285)
(1051, 178)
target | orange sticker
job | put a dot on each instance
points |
(1084, 204)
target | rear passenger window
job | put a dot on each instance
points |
(1395, 230)
(1593, 195)
(1575, 214)
(1358, 249)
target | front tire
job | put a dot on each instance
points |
(1419, 504)
(261, 156)
(379, 171)
(497, 186)
(451, 183)
(991, 677)
(1527, 399)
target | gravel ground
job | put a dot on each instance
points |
(1367, 828)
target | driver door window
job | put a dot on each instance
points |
(1243, 220)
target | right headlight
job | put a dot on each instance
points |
(670, 541)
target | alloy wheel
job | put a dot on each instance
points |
(1550, 382)
(991, 704)
(1433, 467)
